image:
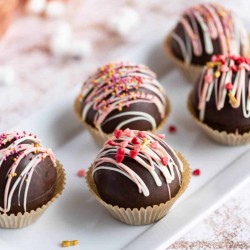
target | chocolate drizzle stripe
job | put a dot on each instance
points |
(148, 157)
(21, 150)
(218, 87)
(215, 23)
(117, 86)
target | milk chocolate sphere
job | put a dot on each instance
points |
(205, 30)
(27, 173)
(137, 169)
(122, 95)
(221, 97)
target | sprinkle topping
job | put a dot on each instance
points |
(148, 150)
(119, 87)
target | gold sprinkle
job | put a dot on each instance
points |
(67, 243)
(145, 143)
(232, 99)
(217, 74)
(213, 64)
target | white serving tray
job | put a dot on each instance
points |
(76, 215)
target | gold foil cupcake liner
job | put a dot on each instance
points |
(143, 215)
(23, 220)
(221, 137)
(99, 137)
(190, 71)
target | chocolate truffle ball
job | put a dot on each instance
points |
(205, 30)
(137, 169)
(221, 97)
(27, 173)
(122, 95)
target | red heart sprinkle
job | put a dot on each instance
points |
(120, 151)
(135, 140)
(133, 154)
(229, 86)
(118, 133)
(234, 68)
(172, 129)
(112, 143)
(239, 60)
(164, 161)
(141, 134)
(119, 158)
(196, 172)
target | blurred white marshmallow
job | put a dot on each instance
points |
(36, 6)
(55, 9)
(122, 24)
(80, 48)
(7, 75)
(60, 41)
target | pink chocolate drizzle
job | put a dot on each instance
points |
(21, 150)
(149, 150)
(116, 86)
(218, 78)
(216, 23)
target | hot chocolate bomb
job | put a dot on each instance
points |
(122, 95)
(27, 173)
(221, 97)
(137, 169)
(205, 30)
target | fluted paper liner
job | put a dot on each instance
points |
(23, 220)
(191, 71)
(222, 137)
(146, 215)
(99, 137)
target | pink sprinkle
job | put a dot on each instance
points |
(154, 144)
(137, 147)
(128, 132)
(161, 136)
(164, 161)
(224, 68)
(208, 78)
(124, 144)
(81, 173)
